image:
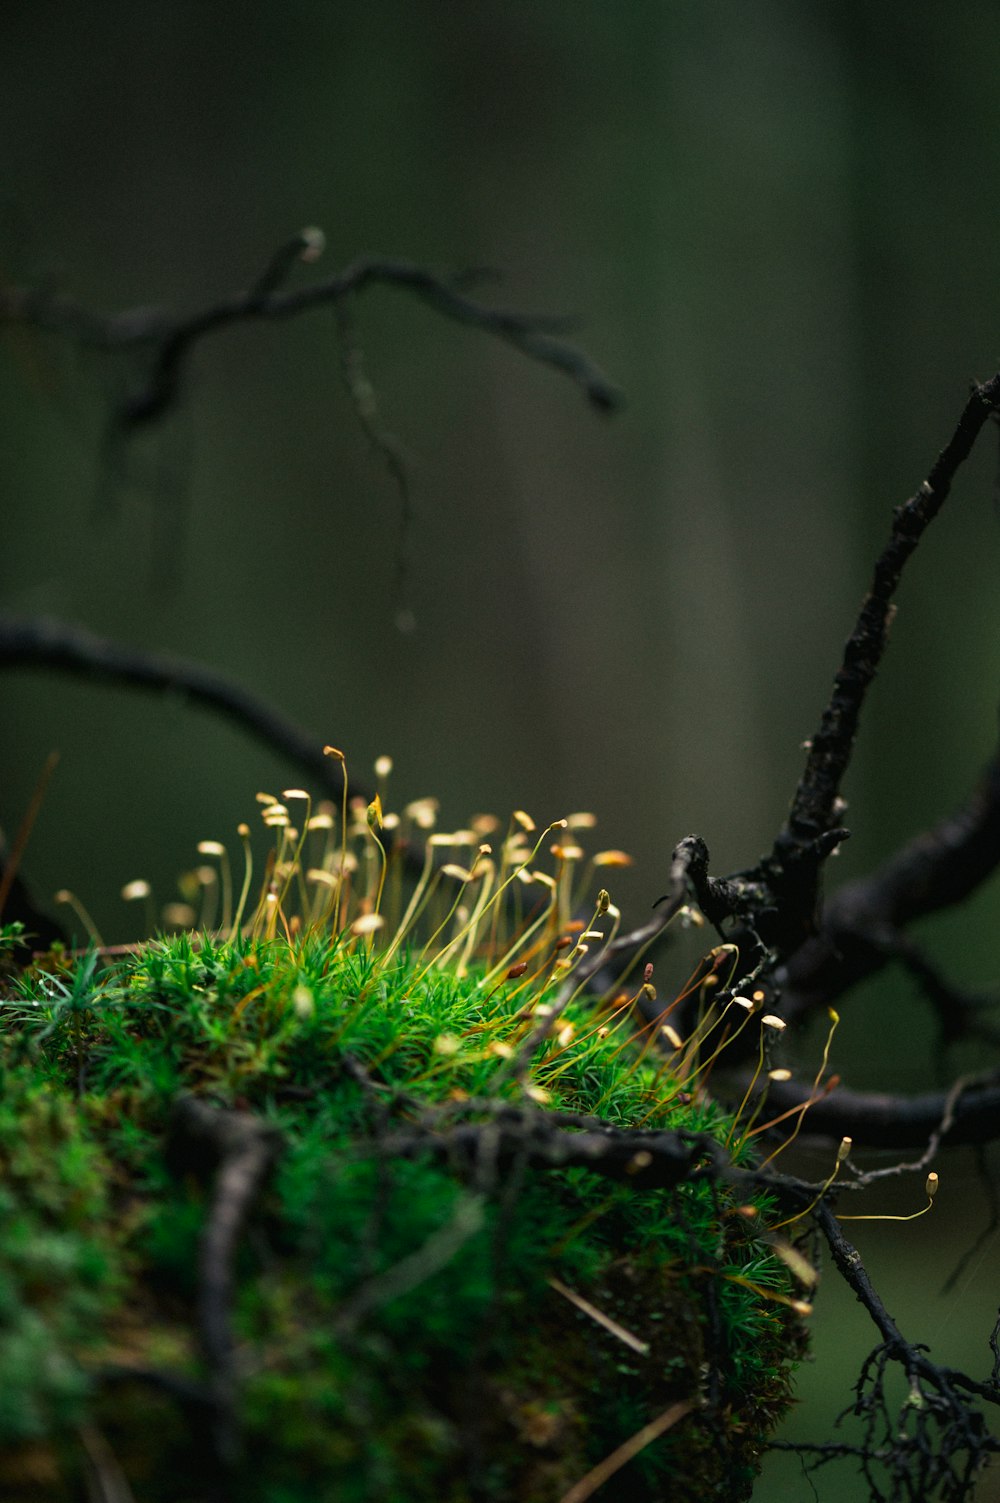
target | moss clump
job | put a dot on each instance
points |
(59, 1266)
(404, 1327)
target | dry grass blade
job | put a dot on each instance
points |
(596, 1478)
(642, 1347)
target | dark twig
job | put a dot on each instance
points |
(167, 341)
(773, 909)
(239, 1151)
(813, 811)
(935, 870)
(777, 902)
(855, 1275)
(688, 880)
(938, 1440)
(308, 245)
(876, 1119)
(792, 870)
(647, 1160)
(385, 444)
(45, 643)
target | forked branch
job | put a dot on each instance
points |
(166, 341)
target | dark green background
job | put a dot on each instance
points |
(778, 224)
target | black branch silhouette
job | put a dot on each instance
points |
(41, 642)
(151, 348)
(776, 904)
(165, 342)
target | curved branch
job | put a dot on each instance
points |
(936, 869)
(45, 643)
(688, 878)
(169, 340)
(937, 1438)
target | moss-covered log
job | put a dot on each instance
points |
(280, 1223)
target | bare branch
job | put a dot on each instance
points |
(813, 810)
(647, 1160)
(167, 340)
(240, 1150)
(773, 909)
(46, 643)
(937, 1438)
(937, 869)
(876, 1119)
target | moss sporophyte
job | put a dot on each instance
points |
(313, 1194)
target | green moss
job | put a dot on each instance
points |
(58, 1264)
(402, 1331)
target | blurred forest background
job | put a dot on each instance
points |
(777, 223)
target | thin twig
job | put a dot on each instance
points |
(916, 1363)
(687, 877)
(103, 1476)
(46, 643)
(240, 1150)
(168, 340)
(937, 869)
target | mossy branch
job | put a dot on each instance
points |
(645, 1160)
(237, 1150)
